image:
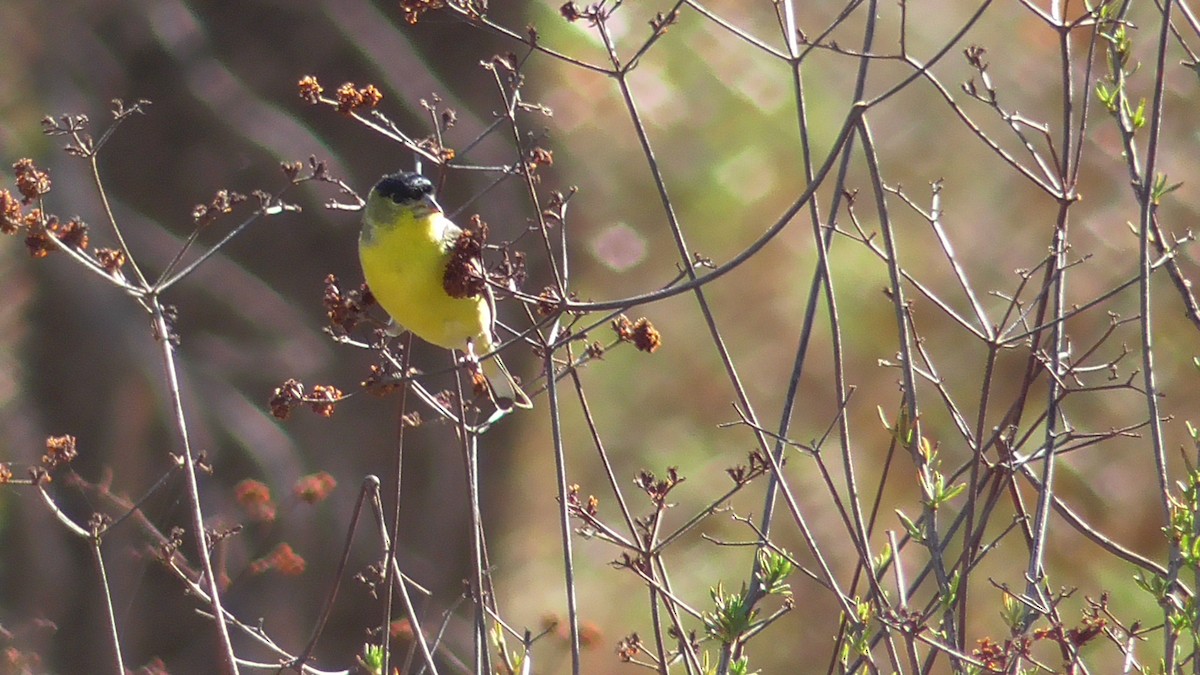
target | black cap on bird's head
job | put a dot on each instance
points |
(405, 187)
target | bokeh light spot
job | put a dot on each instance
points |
(619, 247)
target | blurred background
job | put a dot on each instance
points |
(77, 357)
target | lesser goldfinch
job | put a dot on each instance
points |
(405, 246)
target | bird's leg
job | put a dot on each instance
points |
(469, 354)
(479, 381)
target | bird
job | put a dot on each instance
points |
(405, 248)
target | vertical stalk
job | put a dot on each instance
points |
(163, 333)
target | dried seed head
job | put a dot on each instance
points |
(40, 228)
(292, 169)
(413, 9)
(286, 397)
(283, 560)
(629, 647)
(645, 336)
(590, 635)
(641, 333)
(74, 233)
(371, 96)
(31, 181)
(255, 499)
(323, 399)
(350, 99)
(345, 310)
(314, 488)
(60, 450)
(661, 21)
(11, 218)
(570, 12)
(464, 272)
(380, 381)
(656, 489)
(310, 89)
(111, 259)
(222, 203)
(539, 157)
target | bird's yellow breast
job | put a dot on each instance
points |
(404, 257)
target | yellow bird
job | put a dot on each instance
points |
(405, 246)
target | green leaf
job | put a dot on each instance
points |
(913, 531)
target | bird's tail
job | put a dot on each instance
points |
(506, 393)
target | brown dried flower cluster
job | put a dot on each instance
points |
(6, 473)
(656, 488)
(570, 12)
(323, 398)
(350, 99)
(742, 474)
(314, 487)
(578, 506)
(629, 647)
(595, 350)
(434, 147)
(291, 394)
(39, 232)
(590, 635)
(464, 272)
(14, 660)
(60, 450)
(539, 157)
(283, 560)
(32, 182)
(222, 203)
(346, 308)
(413, 9)
(255, 499)
(11, 217)
(286, 397)
(74, 233)
(292, 170)
(661, 22)
(111, 259)
(41, 229)
(381, 381)
(310, 89)
(592, 12)
(641, 333)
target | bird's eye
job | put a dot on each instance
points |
(404, 187)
